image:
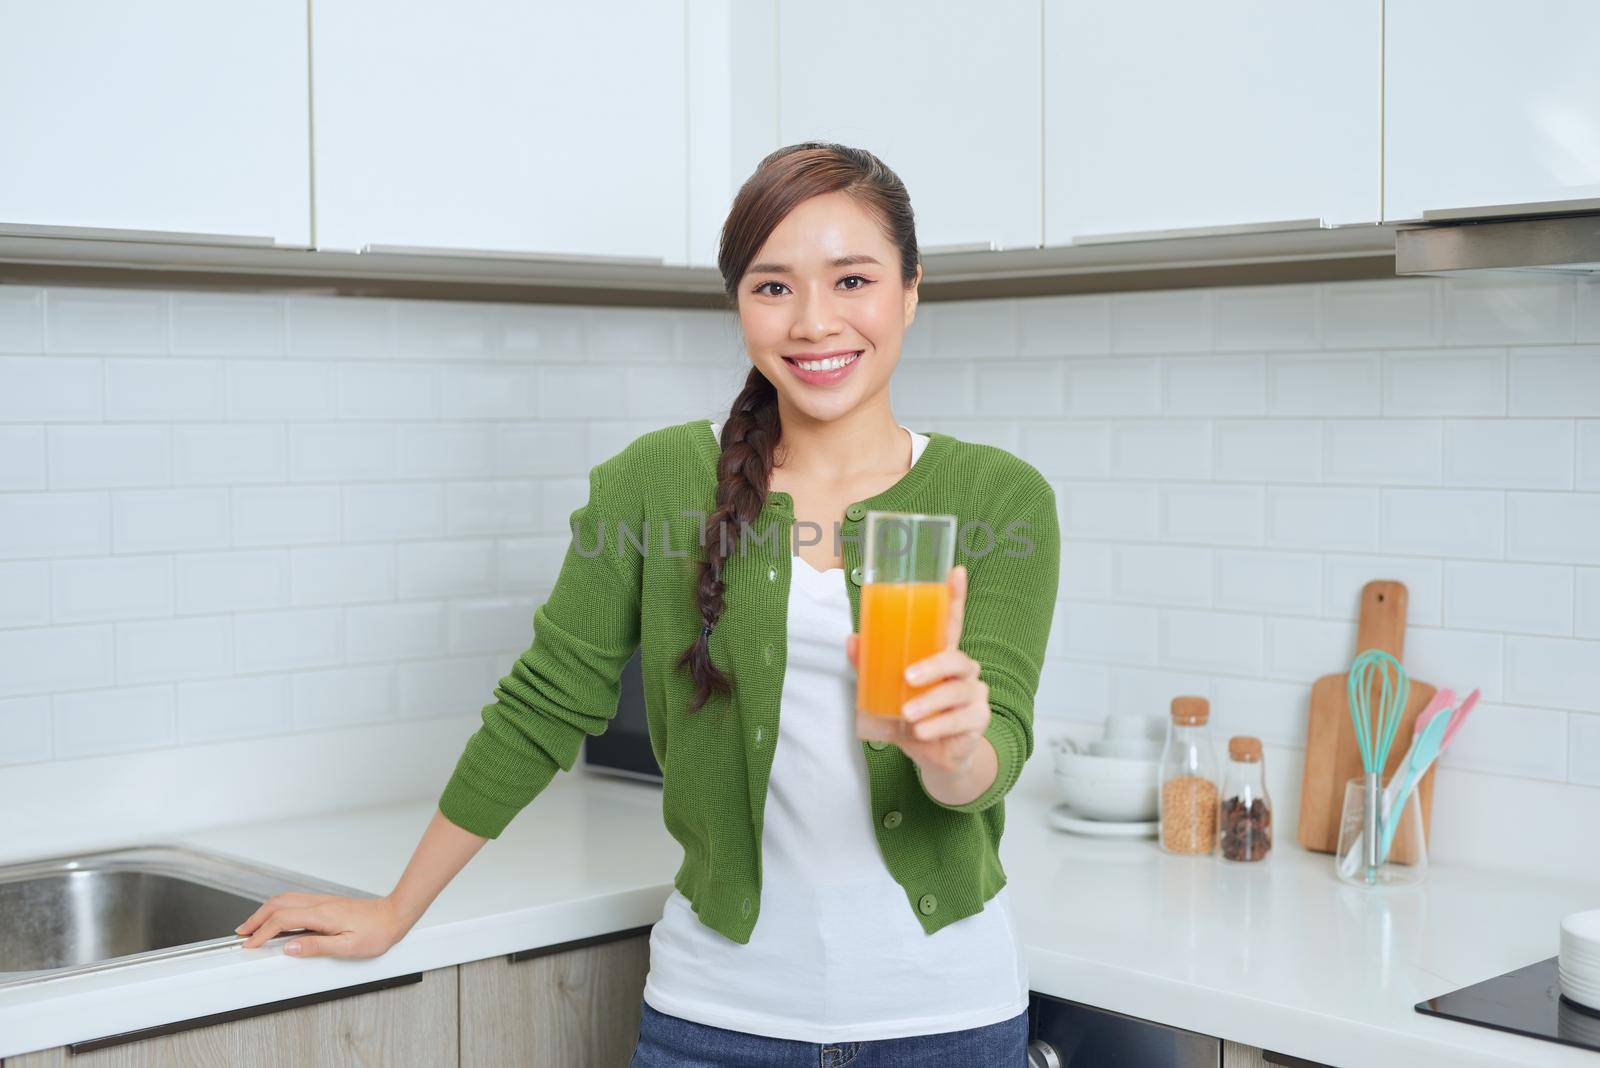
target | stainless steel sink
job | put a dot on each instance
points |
(85, 912)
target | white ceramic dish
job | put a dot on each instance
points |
(1091, 768)
(1063, 818)
(1113, 799)
(1589, 1000)
(1582, 928)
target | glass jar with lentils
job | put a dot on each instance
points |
(1189, 780)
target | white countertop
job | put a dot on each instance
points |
(1278, 955)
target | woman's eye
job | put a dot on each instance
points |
(762, 288)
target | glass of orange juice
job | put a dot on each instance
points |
(905, 604)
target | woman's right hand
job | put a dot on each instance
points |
(348, 926)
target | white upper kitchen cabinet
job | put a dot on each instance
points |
(945, 92)
(1164, 114)
(173, 115)
(539, 127)
(1490, 102)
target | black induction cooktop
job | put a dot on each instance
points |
(1527, 1001)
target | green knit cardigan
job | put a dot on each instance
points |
(627, 582)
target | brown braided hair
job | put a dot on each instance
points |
(783, 180)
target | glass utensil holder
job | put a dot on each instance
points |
(1407, 861)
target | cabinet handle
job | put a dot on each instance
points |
(578, 943)
(242, 1013)
(504, 254)
(158, 237)
(1199, 231)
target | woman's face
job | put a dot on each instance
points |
(797, 302)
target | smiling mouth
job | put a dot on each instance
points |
(832, 363)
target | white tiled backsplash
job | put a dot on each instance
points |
(248, 541)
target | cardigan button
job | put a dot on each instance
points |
(926, 904)
(877, 743)
(772, 574)
(855, 575)
(758, 734)
(855, 511)
(744, 907)
(891, 819)
(766, 654)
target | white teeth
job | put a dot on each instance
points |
(831, 364)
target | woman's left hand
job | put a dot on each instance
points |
(943, 727)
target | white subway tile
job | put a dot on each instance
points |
(1279, 318)
(232, 581)
(1116, 632)
(1331, 383)
(1163, 574)
(1495, 309)
(220, 709)
(228, 324)
(1588, 474)
(1269, 581)
(1064, 326)
(1161, 321)
(1562, 381)
(1015, 388)
(1509, 453)
(54, 524)
(1073, 689)
(447, 687)
(1460, 659)
(221, 453)
(105, 321)
(1383, 451)
(1303, 650)
(21, 321)
(1516, 598)
(163, 389)
(1001, 433)
(1583, 750)
(1214, 385)
(288, 639)
(1587, 623)
(388, 391)
(526, 565)
(559, 392)
(1445, 382)
(347, 327)
(395, 631)
(446, 568)
(24, 594)
(294, 389)
(44, 659)
(404, 510)
(1275, 712)
(114, 721)
(459, 450)
(1505, 740)
(341, 452)
(489, 624)
(1148, 692)
(975, 329)
(285, 515)
(1443, 522)
(1164, 448)
(561, 331)
(1559, 672)
(659, 392)
(1347, 575)
(1085, 568)
(504, 508)
(1588, 308)
(642, 334)
(49, 389)
(436, 329)
(702, 336)
(920, 388)
(1108, 510)
(1113, 387)
(107, 457)
(169, 649)
(342, 574)
(1322, 518)
(24, 726)
(1069, 450)
(1268, 450)
(323, 699)
(1403, 312)
(1212, 641)
(1213, 515)
(145, 521)
(22, 463)
(93, 590)
(1561, 528)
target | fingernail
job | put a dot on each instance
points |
(913, 674)
(292, 947)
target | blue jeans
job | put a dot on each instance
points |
(667, 1041)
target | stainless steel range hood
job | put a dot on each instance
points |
(1560, 236)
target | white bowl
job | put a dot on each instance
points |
(1582, 928)
(1092, 768)
(1128, 801)
(1127, 748)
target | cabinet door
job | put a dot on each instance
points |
(486, 125)
(178, 115)
(560, 1006)
(945, 92)
(1167, 114)
(1489, 102)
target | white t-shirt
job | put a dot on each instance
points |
(838, 954)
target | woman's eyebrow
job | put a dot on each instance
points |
(784, 268)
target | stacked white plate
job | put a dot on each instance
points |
(1579, 962)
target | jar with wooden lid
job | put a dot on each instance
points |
(1189, 780)
(1244, 816)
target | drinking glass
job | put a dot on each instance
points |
(905, 604)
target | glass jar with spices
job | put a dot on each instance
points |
(1244, 819)
(1188, 780)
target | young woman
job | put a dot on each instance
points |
(841, 898)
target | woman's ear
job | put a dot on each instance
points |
(911, 297)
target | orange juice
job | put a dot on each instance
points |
(901, 623)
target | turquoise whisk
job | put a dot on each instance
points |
(1375, 737)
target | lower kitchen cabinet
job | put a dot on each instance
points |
(1236, 1055)
(576, 1003)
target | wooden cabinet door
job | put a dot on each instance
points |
(576, 1003)
(413, 1023)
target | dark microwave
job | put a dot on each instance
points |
(624, 748)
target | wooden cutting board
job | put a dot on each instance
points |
(1332, 755)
